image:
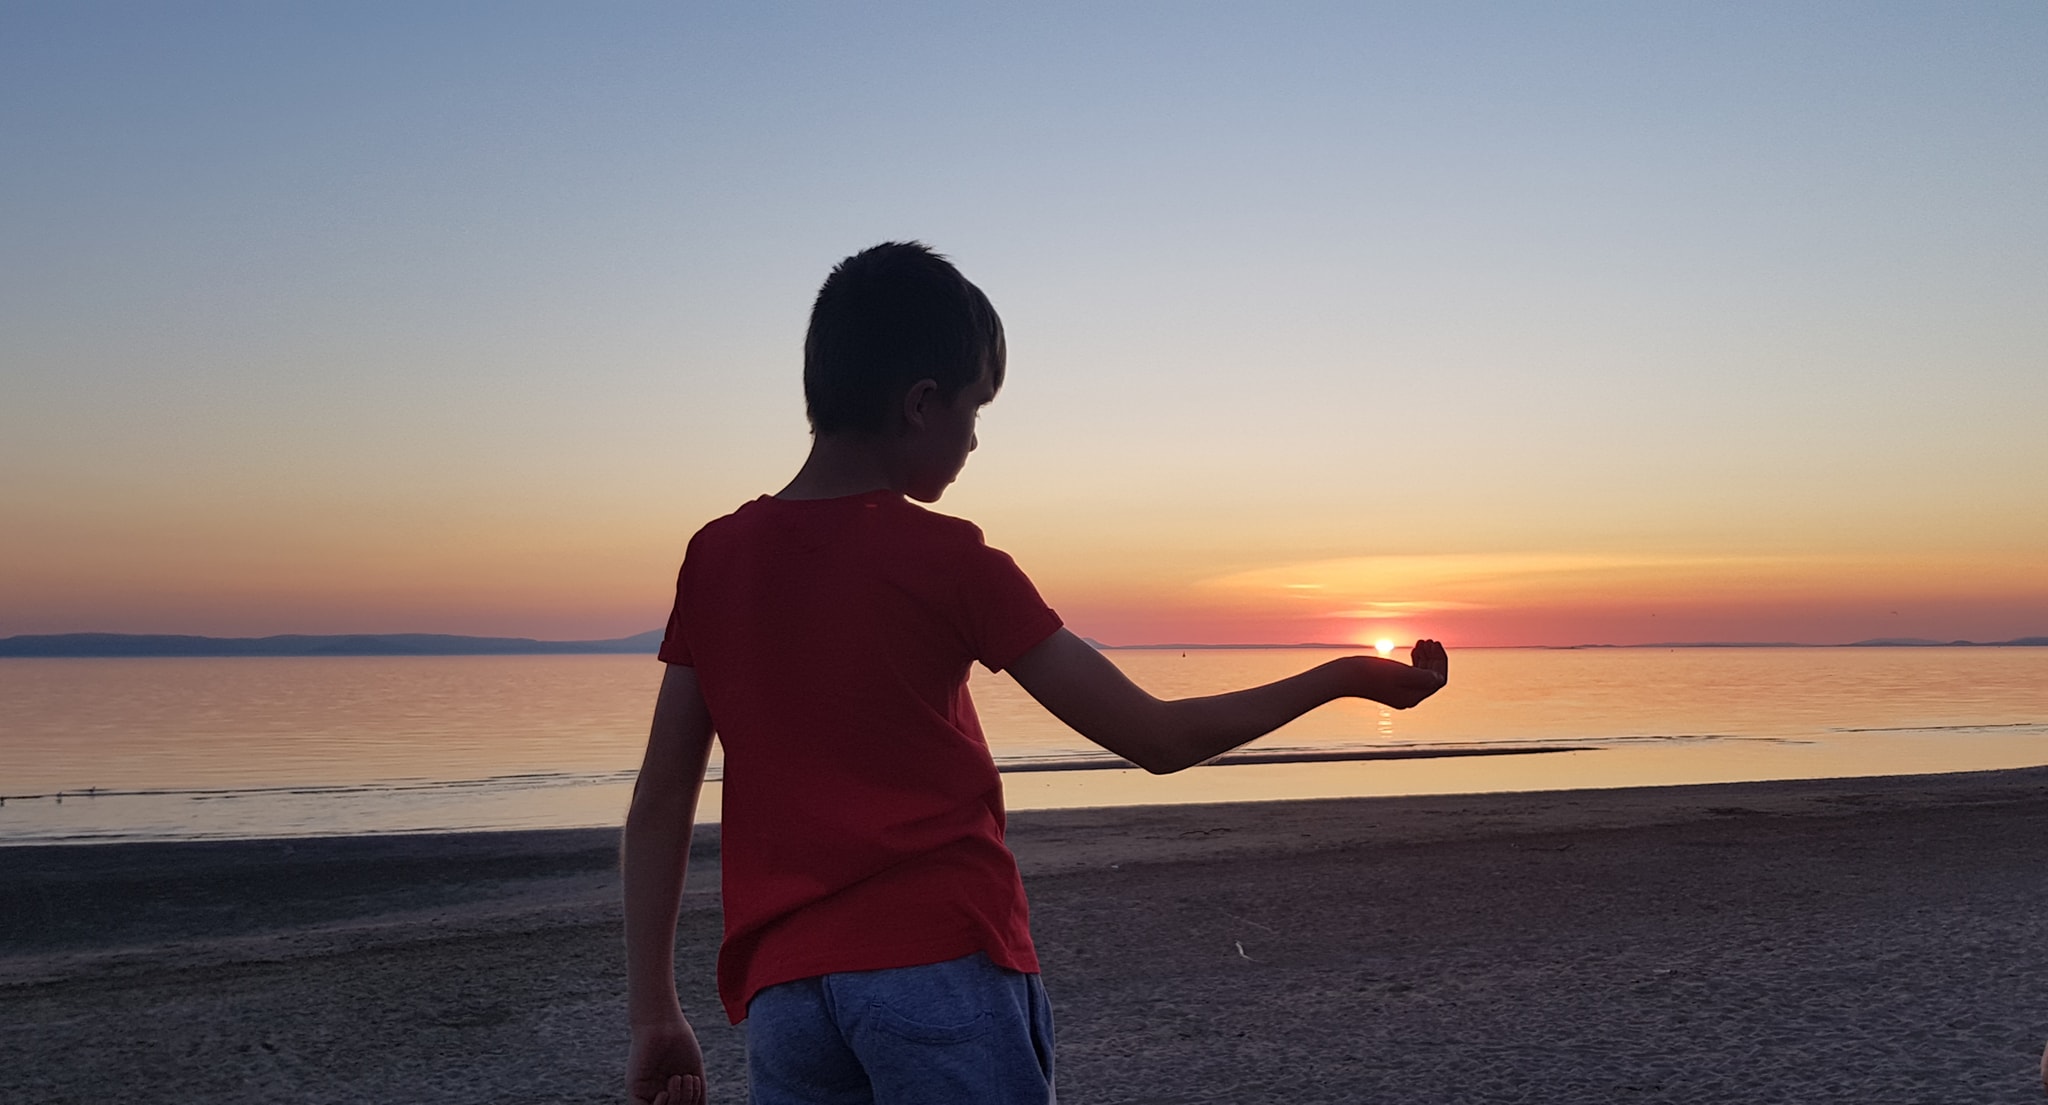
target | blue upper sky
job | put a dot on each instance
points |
(1729, 278)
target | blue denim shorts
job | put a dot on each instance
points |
(964, 1030)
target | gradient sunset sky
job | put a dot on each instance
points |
(1499, 323)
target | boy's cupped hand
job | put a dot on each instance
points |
(665, 1066)
(1430, 656)
(1403, 685)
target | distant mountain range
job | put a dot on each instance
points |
(1875, 642)
(443, 644)
(298, 644)
(1095, 644)
(1881, 642)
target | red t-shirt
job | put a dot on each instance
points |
(863, 822)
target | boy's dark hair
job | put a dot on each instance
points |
(887, 317)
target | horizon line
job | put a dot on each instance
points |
(91, 645)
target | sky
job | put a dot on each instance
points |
(1497, 323)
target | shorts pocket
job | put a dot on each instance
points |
(906, 1027)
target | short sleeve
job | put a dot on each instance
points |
(1003, 613)
(675, 646)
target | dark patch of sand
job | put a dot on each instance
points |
(1835, 940)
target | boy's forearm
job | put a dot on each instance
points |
(1192, 730)
(654, 856)
(1071, 678)
(654, 851)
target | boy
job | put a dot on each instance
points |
(876, 933)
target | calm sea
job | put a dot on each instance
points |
(204, 748)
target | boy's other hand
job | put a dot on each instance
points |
(682, 1090)
(665, 1065)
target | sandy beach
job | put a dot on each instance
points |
(1868, 940)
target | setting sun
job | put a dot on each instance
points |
(1383, 646)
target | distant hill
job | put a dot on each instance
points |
(1093, 643)
(1916, 642)
(1875, 642)
(296, 644)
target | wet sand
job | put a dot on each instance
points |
(1872, 940)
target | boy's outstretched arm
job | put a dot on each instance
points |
(665, 1066)
(1082, 688)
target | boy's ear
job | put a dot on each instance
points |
(918, 401)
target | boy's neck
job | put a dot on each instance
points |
(846, 464)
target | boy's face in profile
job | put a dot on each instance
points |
(939, 449)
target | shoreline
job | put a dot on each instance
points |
(1800, 941)
(67, 898)
(1077, 762)
(1656, 804)
(1192, 788)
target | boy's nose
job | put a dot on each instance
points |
(973, 442)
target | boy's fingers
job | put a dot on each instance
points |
(1430, 654)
